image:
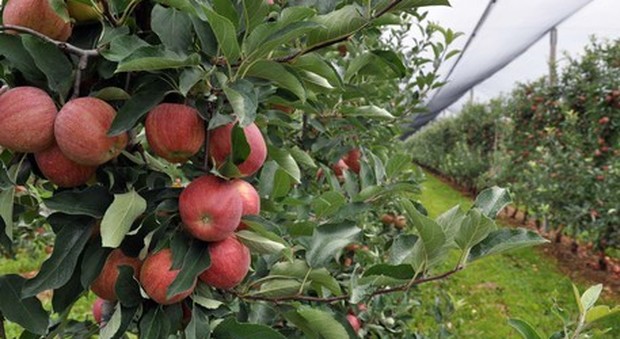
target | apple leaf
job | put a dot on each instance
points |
(328, 240)
(27, 312)
(323, 323)
(503, 240)
(279, 74)
(119, 217)
(232, 329)
(92, 201)
(173, 27)
(196, 260)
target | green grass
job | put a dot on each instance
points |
(520, 284)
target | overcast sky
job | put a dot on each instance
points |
(513, 19)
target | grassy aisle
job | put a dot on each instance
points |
(521, 284)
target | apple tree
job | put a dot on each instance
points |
(223, 168)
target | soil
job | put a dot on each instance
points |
(578, 261)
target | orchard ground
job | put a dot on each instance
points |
(520, 284)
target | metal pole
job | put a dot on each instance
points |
(553, 45)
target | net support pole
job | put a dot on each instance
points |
(553, 46)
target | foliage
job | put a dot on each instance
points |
(247, 62)
(546, 139)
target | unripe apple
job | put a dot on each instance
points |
(157, 275)
(400, 222)
(26, 119)
(82, 12)
(175, 132)
(210, 208)
(250, 200)
(352, 159)
(230, 262)
(37, 15)
(220, 147)
(354, 322)
(62, 171)
(104, 285)
(387, 219)
(81, 129)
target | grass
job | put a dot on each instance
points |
(520, 284)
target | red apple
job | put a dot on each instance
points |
(175, 132)
(81, 129)
(354, 322)
(250, 200)
(340, 167)
(103, 285)
(220, 147)
(102, 311)
(156, 276)
(37, 15)
(97, 310)
(210, 208)
(26, 119)
(62, 171)
(352, 159)
(230, 262)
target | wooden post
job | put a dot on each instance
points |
(553, 45)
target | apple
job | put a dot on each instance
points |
(340, 167)
(62, 171)
(250, 200)
(400, 222)
(220, 147)
(230, 262)
(102, 311)
(175, 132)
(97, 311)
(354, 322)
(26, 119)
(387, 219)
(156, 276)
(82, 12)
(210, 208)
(81, 129)
(352, 159)
(104, 285)
(37, 15)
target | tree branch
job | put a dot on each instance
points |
(324, 44)
(329, 300)
(83, 54)
(2, 331)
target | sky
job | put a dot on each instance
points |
(513, 21)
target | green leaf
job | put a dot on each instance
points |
(402, 249)
(127, 288)
(474, 228)
(302, 157)
(195, 261)
(13, 50)
(277, 288)
(277, 73)
(52, 62)
(119, 217)
(323, 323)
(371, 112)
(582, 309)
(259, 244)
(286, 162)
(314, 63)
(243, 99)
(328, 203)
(232, 329)
(268, 36)
(601, 312)
(504, 240)
(336, 24)
(189, 77)
(430, 247)
(27, 312)
(590, 296)
(328, 240)
(227, 9)
(300, 270)
(6, 210)
(225, 33)
(403, 271)
(111, 94)
(450, 221)
(64, 296)
(410, 4)
(122, 47)
(135, 108)
(119, 322)
(173, 27)
(526, 330)
(198, 326)
(492, 200)
(92, 201)
(154, 324)
(68, 245)
(397, 164)
(153, 59)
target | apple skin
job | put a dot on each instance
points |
(83, 12)
(339, 168)
(250, 200)
(103, 285)
(175, 132)
(220, 147)
(27, 119)
(230, 263)
(62, 171)
(354, 322)
(97, 310)
(210, 208)
(352, 159)
(81, 129)
(156, 276)
(102, 311)
(37, 15)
